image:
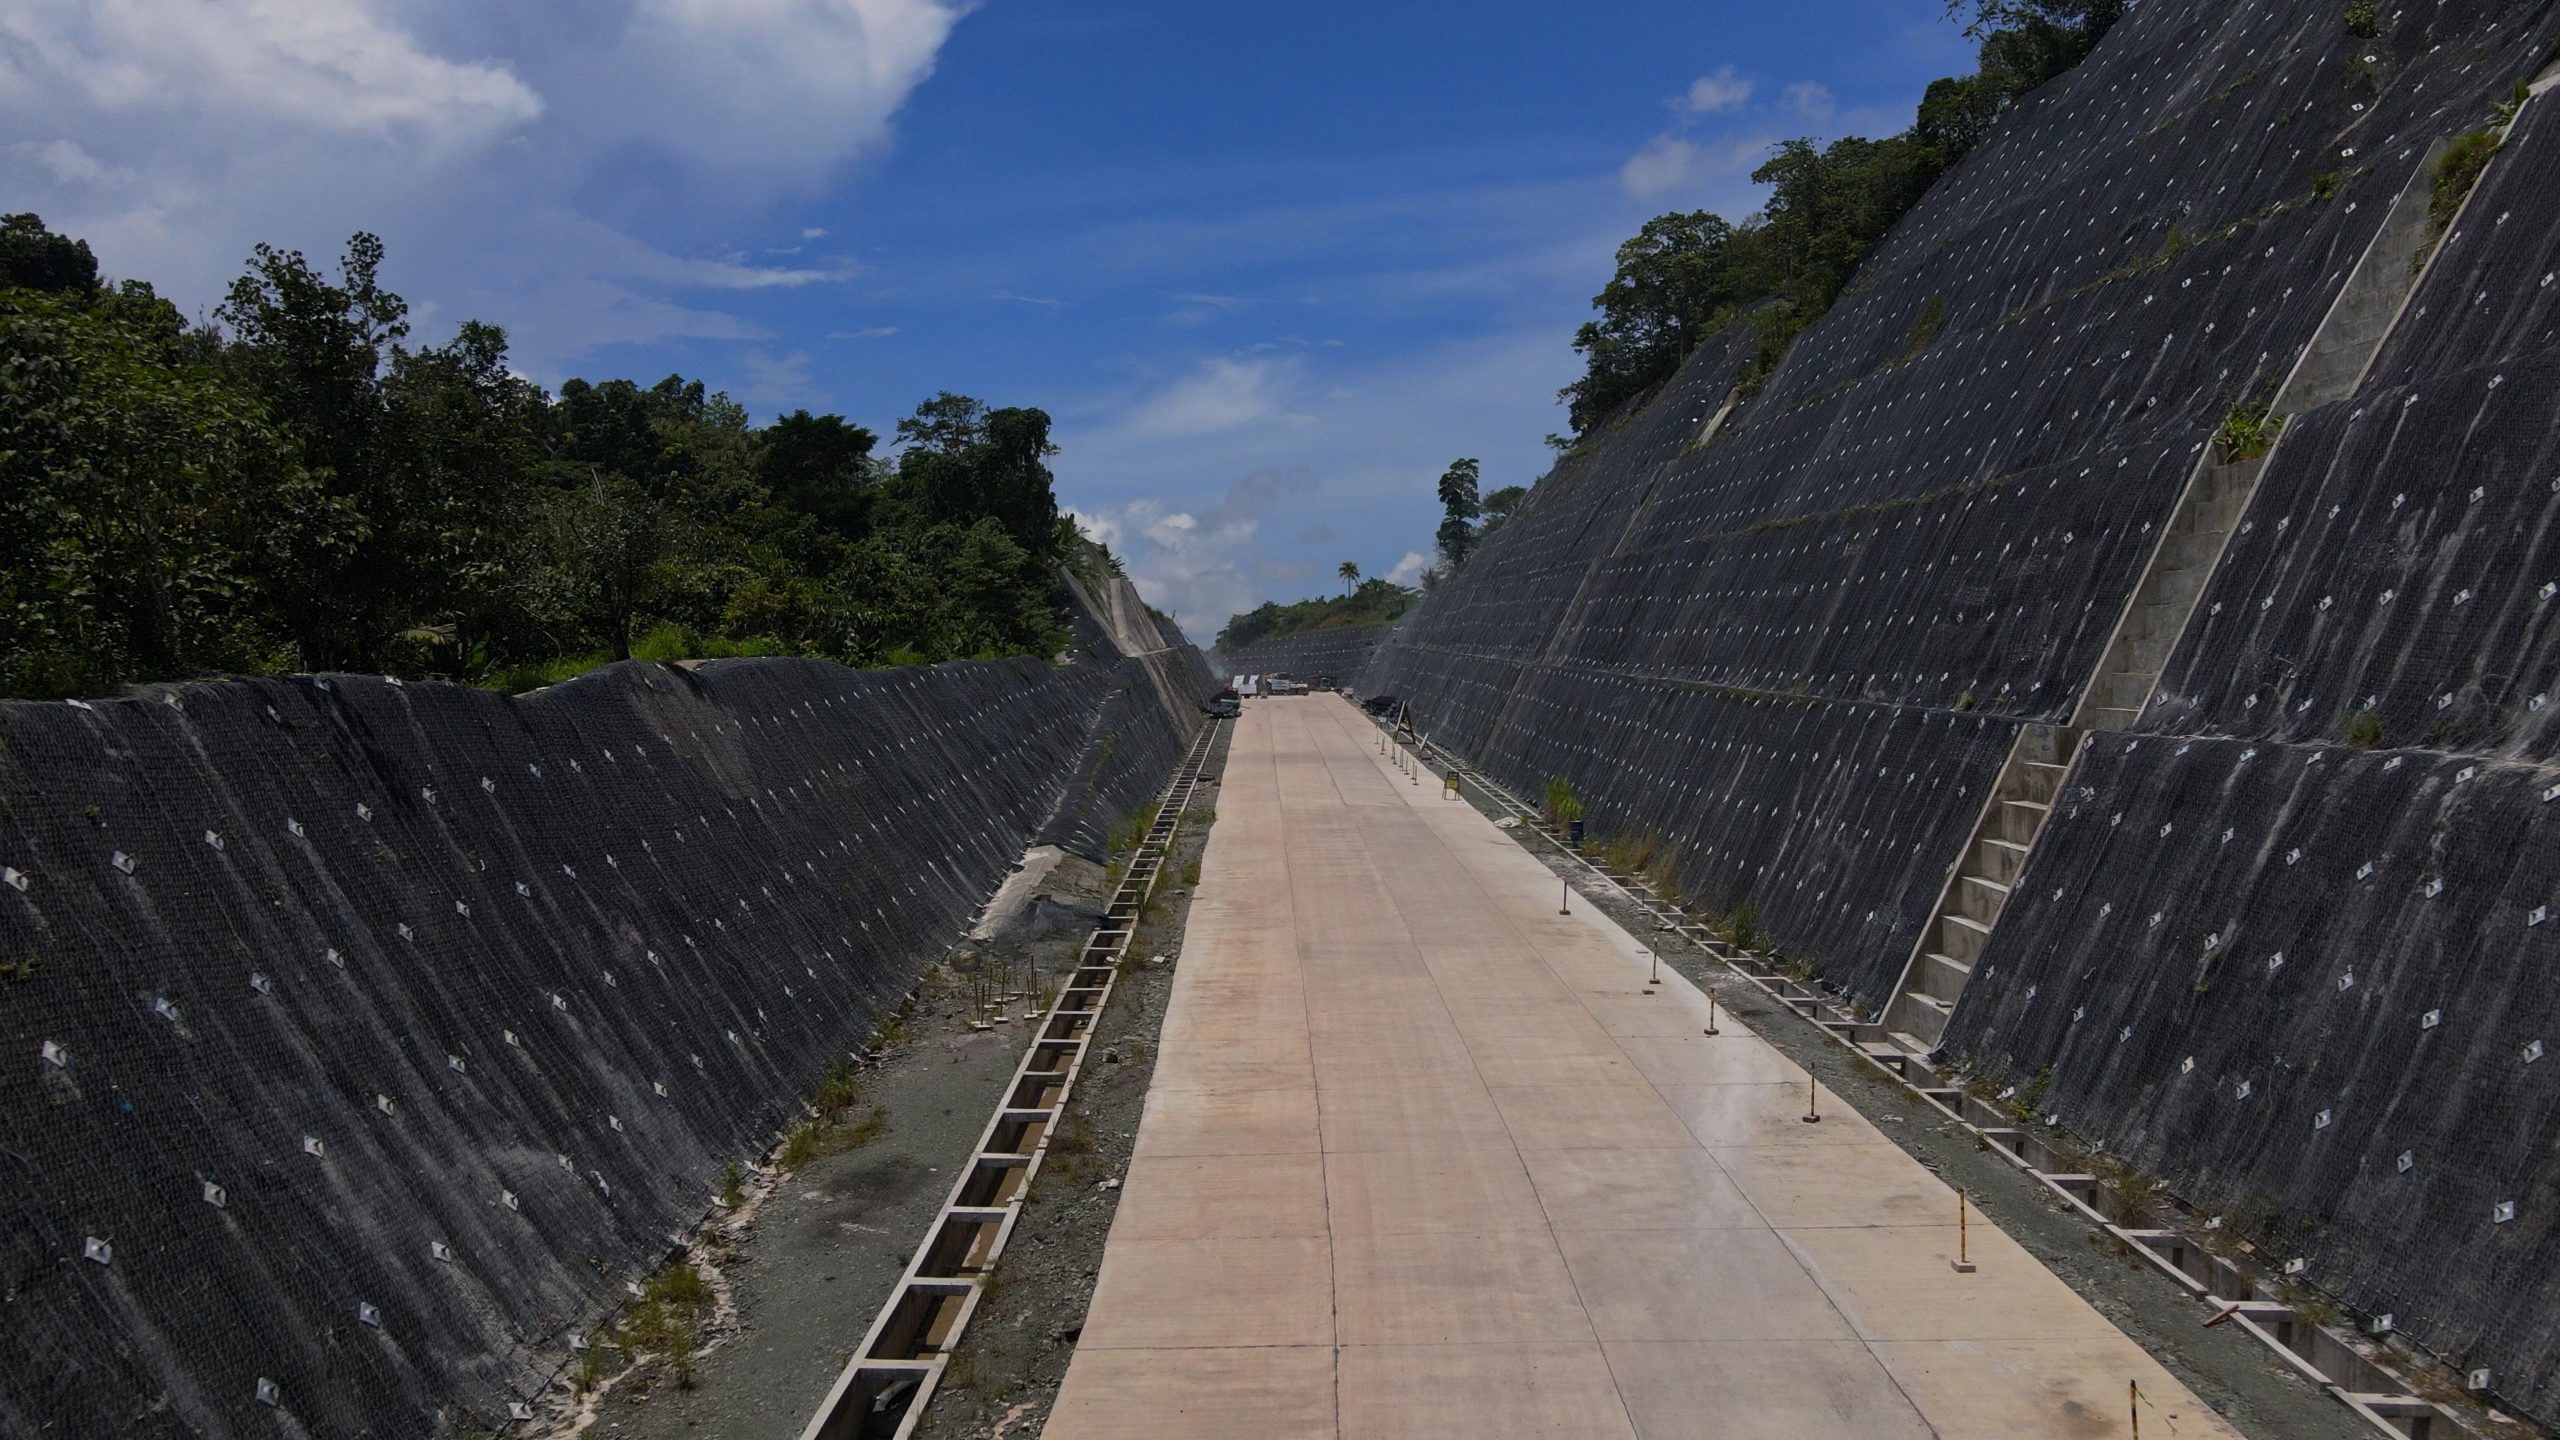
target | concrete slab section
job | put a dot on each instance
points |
(1221, 1197)
(1480, 1392)
(1228, 1122)
(1422, 1157)
(1737, 1284)
(1764, 1390)
(1667, 1189)
(1284, 1392)
(1454, 1289)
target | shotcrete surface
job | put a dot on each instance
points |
(1422, 1155)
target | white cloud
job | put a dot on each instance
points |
(867, 332)
(1717, 91)
(174, 134)
(1343, 469)
(326, 66)
(1408, 571)
(1811, 99)
(1223, 394)
(1668, 163)
(1663, 164)
(771, 88)
(814, 232)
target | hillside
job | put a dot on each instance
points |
(2133, 692)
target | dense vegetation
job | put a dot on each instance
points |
(1686, 276)
(1370, 602)
(293, 487)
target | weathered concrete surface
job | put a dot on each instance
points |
(1423, 1157)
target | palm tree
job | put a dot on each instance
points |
(1350, 574)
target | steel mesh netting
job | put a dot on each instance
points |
(1137, 736)
(2399, 568)
(2310, 987)
(1955, 519)
(1832, 821)
(2193, 116)
(413, 1019)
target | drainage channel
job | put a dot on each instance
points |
(2313, 1351)
(882, 1393)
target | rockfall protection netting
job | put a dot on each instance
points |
(1338, 654)
(369, 1036)
(2307, 971)
(1745, 634)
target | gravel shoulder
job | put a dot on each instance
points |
(1002, 1381)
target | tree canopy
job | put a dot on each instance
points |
(297, 486)
(1688, 275)
(1371, 602)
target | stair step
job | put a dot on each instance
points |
(1914, 1044)
(1980, 898)
(2112, 717)
(1943, 976)
(1963, 936)
(2000, 859)
(2020, 819)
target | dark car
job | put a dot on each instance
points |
(1223, 707)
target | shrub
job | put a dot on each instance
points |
(2456, 172)
(2363, 18)
(2246, 432)
(2364, 730)
(1926, 325)
(1563, 806)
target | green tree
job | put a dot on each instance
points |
(820, 466)
(1350, 573)
(1685, 276)
(600, 554)
(150, 515)
(1500, 506)
(1458, 509)
(34, 258)
(1675, 281)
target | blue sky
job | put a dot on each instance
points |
(1270, 268)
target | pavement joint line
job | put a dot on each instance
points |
(2272, 1322)
(926, 1315)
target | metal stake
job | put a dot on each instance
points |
(1812, 1111)
(1963, 1261)
(1565, 906)
(1711, 1014)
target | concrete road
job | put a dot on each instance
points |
(1423, 1157)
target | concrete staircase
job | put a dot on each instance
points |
(1978, 889)
(2166, 597)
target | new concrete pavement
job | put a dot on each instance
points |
(1423, 1157)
